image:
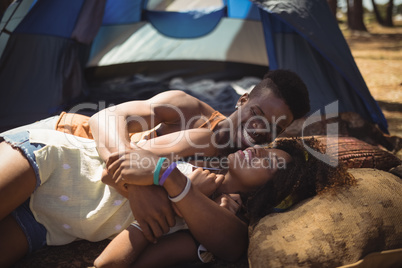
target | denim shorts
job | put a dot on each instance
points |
(34, 231)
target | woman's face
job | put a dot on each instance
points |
(253, 167)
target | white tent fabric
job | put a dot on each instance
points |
(229, 41)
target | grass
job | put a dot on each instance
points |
(378, 54)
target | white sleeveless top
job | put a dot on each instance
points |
(72, 202)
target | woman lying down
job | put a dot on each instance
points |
(71, 198)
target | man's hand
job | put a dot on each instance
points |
(108, 180)
(205, 181)
(133, 167)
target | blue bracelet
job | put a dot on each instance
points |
(158, 170)
(167, 173)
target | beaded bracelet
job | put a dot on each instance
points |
(183, 193)
(167, 173)
(158, 170)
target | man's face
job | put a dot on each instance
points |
(260, 119)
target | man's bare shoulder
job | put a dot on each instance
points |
(175, 93)
(181, 100)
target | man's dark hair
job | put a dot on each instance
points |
(288, 86)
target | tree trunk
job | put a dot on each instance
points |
(355, 15)
(388, 19)
(333, 5)
(377, 14)
(349, 11)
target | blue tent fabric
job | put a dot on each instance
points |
(326, 85)
(45, 18)
(313, 20)
(42, 67)
(89, 21)
(11, 19)
(123, 11)
(185, 24)
(55, 71)
(243, 9)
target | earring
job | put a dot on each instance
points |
(236, 107)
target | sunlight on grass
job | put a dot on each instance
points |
(378, 54)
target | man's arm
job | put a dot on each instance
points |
(111, 127)
(189, 142)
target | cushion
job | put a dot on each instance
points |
(387, 258)
(333, 229)
(356, 153)
(347, 124)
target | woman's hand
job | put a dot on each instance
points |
(231, 202)
(205, 181)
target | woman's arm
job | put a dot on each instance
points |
(150, 205)
(219, 230)
(130, 249)
(123, 250)
(130, 246)
(172, 249)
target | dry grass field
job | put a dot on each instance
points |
(378, 55)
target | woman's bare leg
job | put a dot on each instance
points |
(123, 250)
(171, 250)
(17, 179)
(131, 249)
(13, 242)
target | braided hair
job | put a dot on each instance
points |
(302, 178)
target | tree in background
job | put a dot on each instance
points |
(377, 13)
(388, 14)
(355, 15)
(388, 18)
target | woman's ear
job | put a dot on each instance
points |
(242, 100)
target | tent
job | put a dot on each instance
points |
(54, 52)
